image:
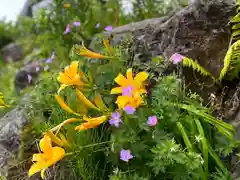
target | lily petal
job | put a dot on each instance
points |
(58, 154)
(62, 78)
(107, 46)
(140, 77)
(73, 68)
(37, 157)
(91, 123)
(116, 90)
(130, 74)
(54, 138)
(85, 52)
(64, 105)
(99, 102)
(58, 127)
(45, 144)
(84, 100)
(121, 80)
(36, 167)
(122, 101)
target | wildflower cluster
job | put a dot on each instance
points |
(161, 123)
(131, 93)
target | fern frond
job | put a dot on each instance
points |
(235, 23)
(196, 67)
(231, 66)
(231, 62)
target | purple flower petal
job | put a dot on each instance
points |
(127, 91)
(152, 120)
(116, 115)
(129, 109)
(108, 28)
(49, 60)
(53, 55)
(67, 30)
(125, 155)
(176, 58)
(97, 25)
(29, 78)
(115, 120)
(76, 23)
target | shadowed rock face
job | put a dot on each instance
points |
(193, 31)
(10, 128)
(21, 79)
(12, 52)
(199, 31)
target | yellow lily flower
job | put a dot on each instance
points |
(135, 100)
(91, 123)
(107, 46)
(99, 102)
(2, 103)
(49, 156)
(85, 101)
(86, 52)
(128, 82)
(58, 127)
(62, 141)
(64, 106)
(71, 77)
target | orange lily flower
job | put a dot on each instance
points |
(60, 141)
(71, 77)
(68, 121)
(107, 46)
(86, 52)
(91, 123)
(85, 101)
(64, 106)
(128, 82)
(49, 156)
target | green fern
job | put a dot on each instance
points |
(235, 23)
(232, 58)
(231, 62)
(196, 67)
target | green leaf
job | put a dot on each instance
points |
(204, 146)
(185, 137)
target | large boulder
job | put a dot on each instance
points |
(12, 52)
(10, 129)
(198, 31)
(30, 70)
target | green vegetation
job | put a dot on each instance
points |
(170, 134)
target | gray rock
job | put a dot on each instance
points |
(4, 156)
(10, 129)
(12, 52)
(21, 79)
